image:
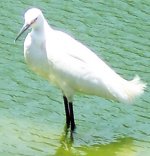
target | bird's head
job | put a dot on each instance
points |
(33, 19)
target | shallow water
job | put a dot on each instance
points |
(31, 111)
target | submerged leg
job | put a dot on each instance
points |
(73, 126)
(67, 111)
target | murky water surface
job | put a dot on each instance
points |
(31, 111)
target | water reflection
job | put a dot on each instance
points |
(122, 147)
(66, 142)
(67, 135)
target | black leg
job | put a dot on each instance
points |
(67, 111)
(73, 126)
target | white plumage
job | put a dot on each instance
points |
(70, 65)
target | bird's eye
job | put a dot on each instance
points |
(35, 19)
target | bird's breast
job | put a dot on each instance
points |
(36, 57)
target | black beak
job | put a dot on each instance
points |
(23, 29)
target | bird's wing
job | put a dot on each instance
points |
(65, 50)
(76, 49)
(74, 64)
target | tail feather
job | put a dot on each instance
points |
(133, 89)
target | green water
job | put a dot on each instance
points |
(31, 111)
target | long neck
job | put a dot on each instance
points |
(47, 27)
(41, 32)
(43, 28)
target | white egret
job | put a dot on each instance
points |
(71, 66)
